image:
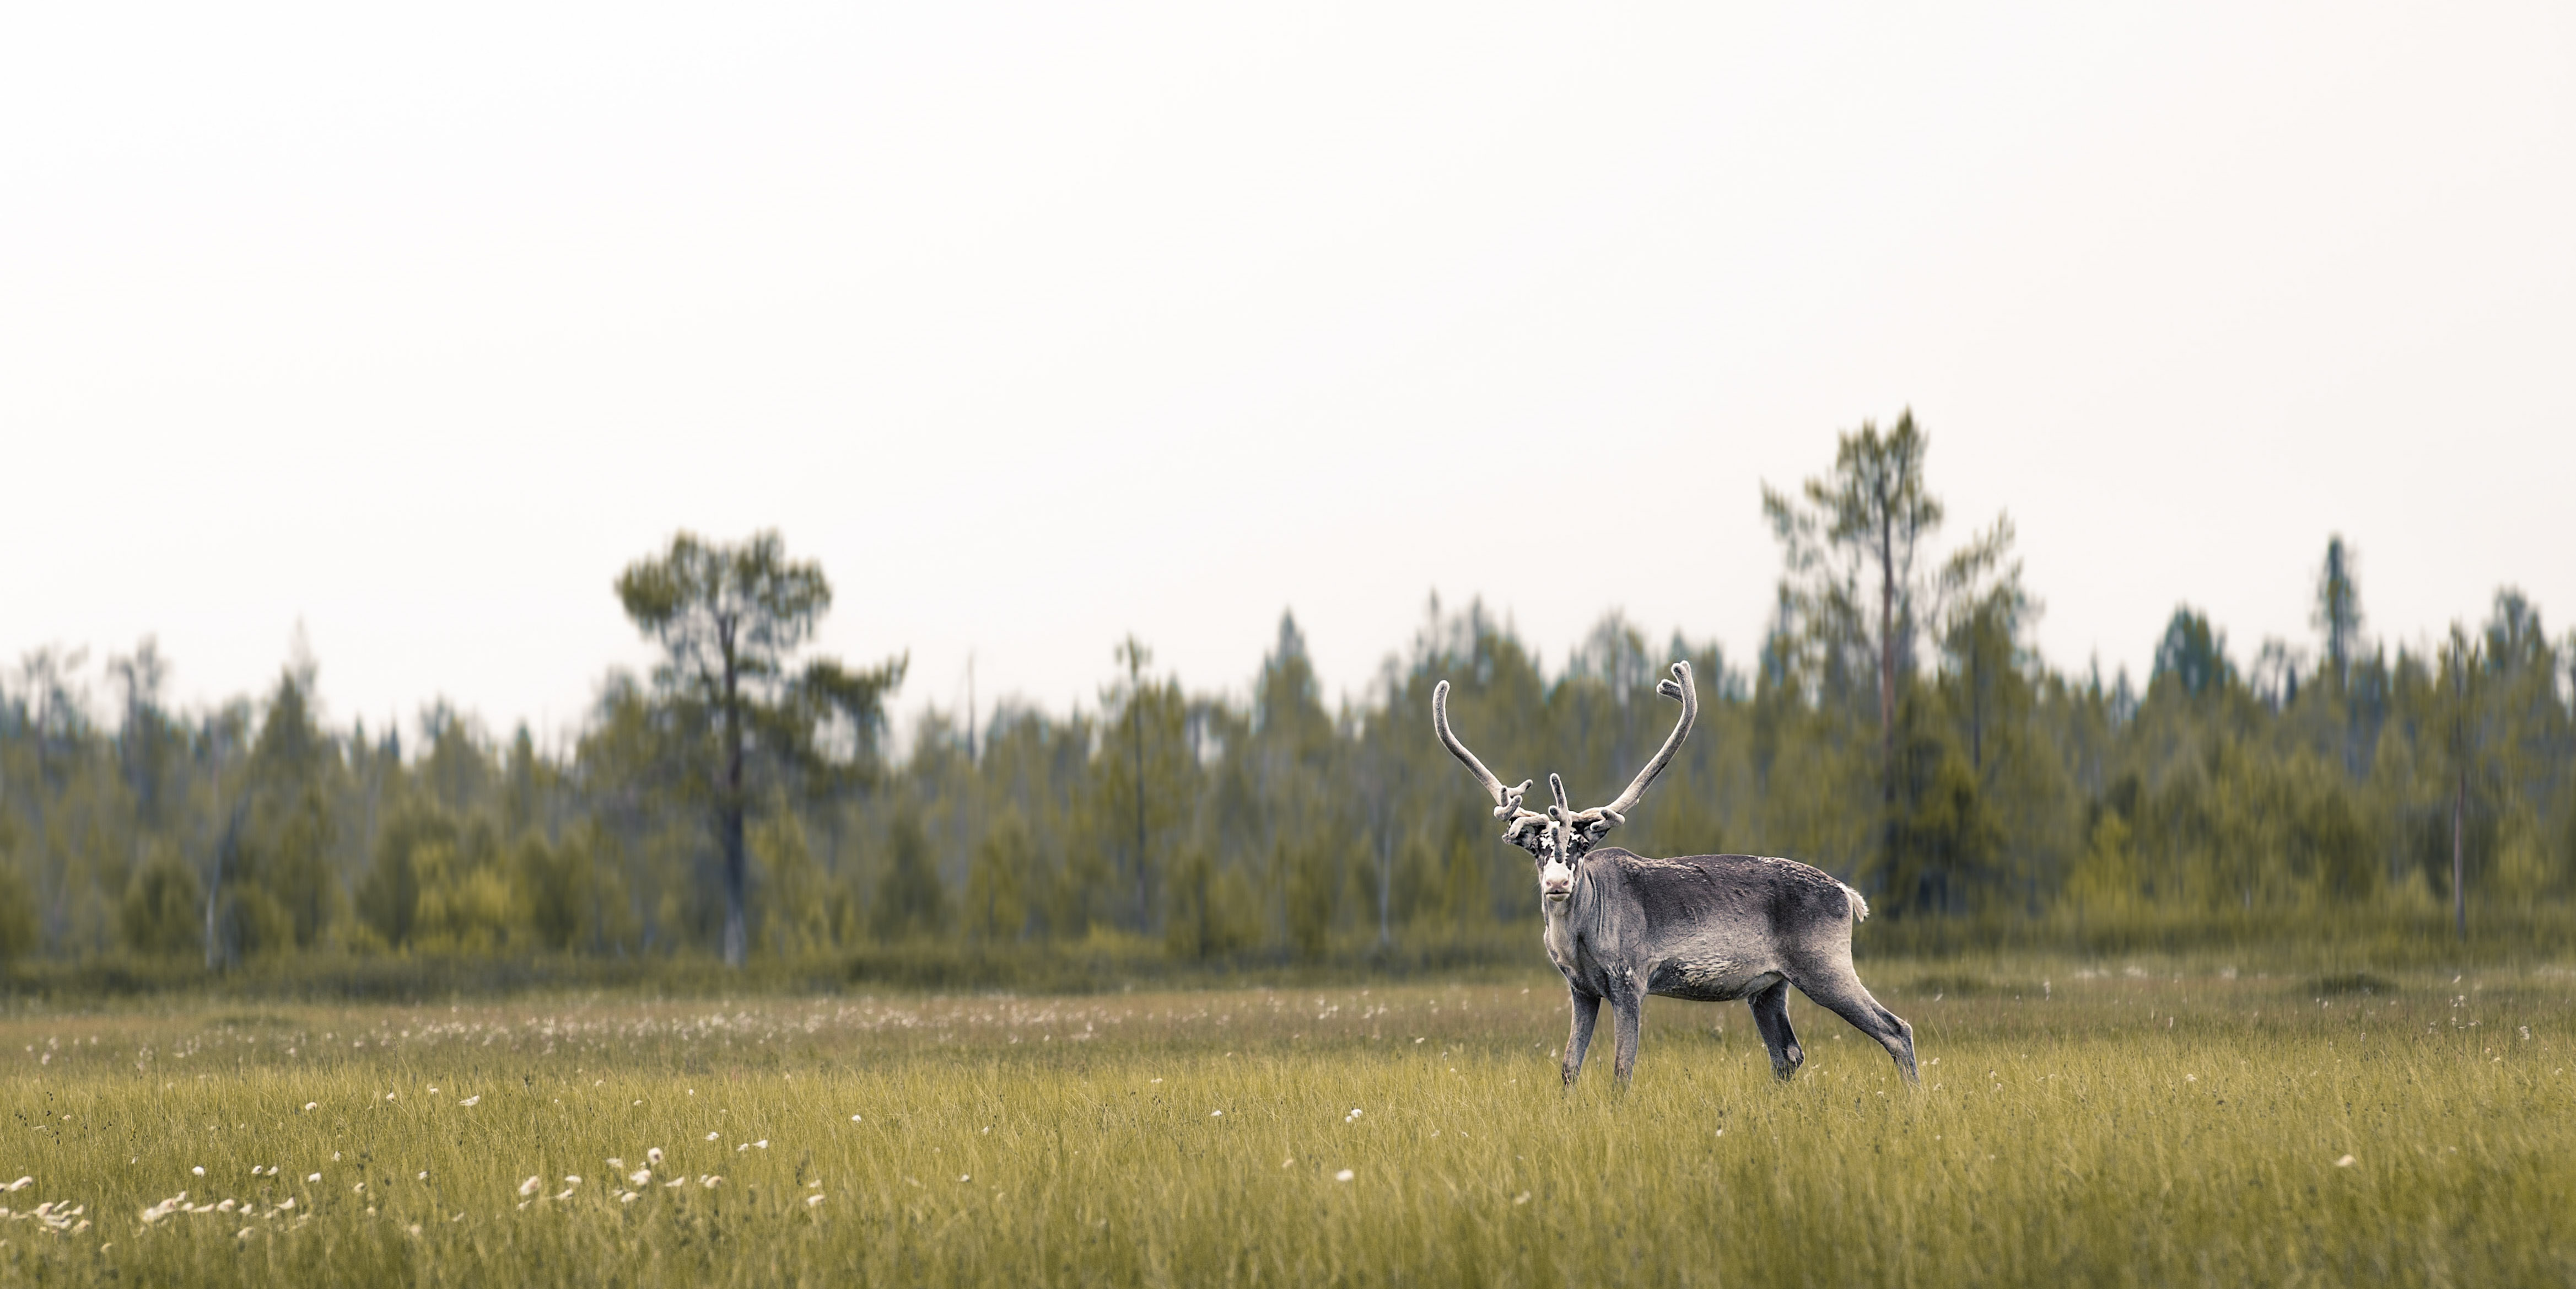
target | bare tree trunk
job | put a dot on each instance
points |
(1887, 692)
(729, 813)
(1887, 663)
(2459, 867)
(1136, 740)
(736, 937)
(223, 856)
(1385, 886)
(212, 888)
(214, 880)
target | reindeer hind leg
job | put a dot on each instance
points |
(1771, 1016)
(1835, 987)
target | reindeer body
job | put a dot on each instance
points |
(1710, 928)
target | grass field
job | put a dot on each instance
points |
(2074, 1126)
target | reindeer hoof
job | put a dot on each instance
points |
(1786, 1068)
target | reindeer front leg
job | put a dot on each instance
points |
(1587, 1011)
(1628, 1012)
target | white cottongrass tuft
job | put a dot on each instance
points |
(965, 1177)
(2346, 1162)
(854, 1118)
(472, 1099)
(711, 1136)
(528, 1187)
(313, 1177)
(572, 1179)
(710, 1181)
(639, 1176)
(312, 1105)
(198, 1171)
(812, 1200)
(20, 1184)
(626, 1197)
(654, 1156)
(1343, 1176)
(762, 1144)
(1216, 1114)
(424, 1175)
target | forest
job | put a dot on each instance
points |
(743, 801)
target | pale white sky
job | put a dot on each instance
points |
(1041, 325)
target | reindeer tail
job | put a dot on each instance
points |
(1859, 906)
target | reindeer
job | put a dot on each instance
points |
(1713, 928)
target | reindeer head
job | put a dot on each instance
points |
(1559, 838)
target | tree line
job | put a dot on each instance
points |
(1895, 727)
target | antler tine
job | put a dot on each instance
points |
(1681, 689)
(1562, 813)
(1506, 800)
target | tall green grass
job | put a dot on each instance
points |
(2074, 1125)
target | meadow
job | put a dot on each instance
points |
(2100, 1123)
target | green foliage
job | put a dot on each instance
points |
(1214, 912)
(2338, 613)
(389, 899)
(163, 908)
(2192, 655)
(798, 902)
(1914, 744)
(18, 928)
(911, 902)
(999, 882)
(552, 883)
(732, 707)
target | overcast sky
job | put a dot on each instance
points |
(1039, 326)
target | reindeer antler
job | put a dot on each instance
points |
(1507, 801)
(1591, 825)
(1563, 816)
(1681, 690)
